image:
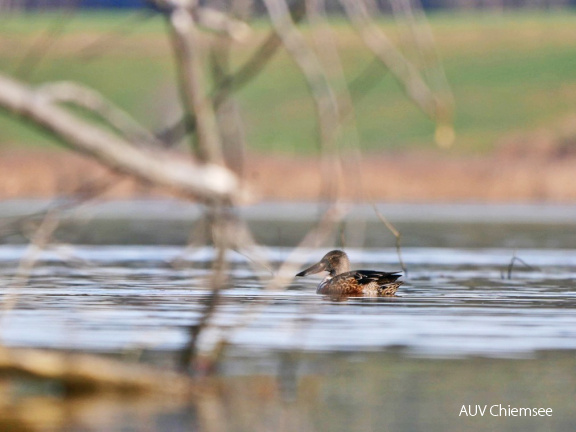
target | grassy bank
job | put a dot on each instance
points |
(509, 73)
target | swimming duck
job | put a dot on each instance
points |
(342, 281)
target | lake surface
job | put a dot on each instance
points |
(466, 328)
(455, 302)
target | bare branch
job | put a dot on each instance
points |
(186, 42)
(219, 22)
(384, 49)
(324, 99)
(403, 70)
(327, 52)
(303, 55)
(208, 182)
(229, 120)
(91, 100)
(231, 83)
(259, 59)
(222, 236)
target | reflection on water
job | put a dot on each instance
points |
(360, 392)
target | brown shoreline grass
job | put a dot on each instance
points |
(401, 177)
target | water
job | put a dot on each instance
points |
(455, 302)
(466, 328)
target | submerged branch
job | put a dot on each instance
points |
(521, 261)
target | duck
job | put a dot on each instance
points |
(341, 281)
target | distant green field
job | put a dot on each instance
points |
(509, 73)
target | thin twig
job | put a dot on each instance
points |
(38, 242)
(86, 191)
(96, 48)
(170, 135)
(34, 56)
(120, 120)
(186, 43)
(364, 82)
(228, 118)
(325, 101)
(397, 235)
(437, 107)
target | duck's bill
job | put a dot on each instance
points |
(316, 268)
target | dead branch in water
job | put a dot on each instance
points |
(316, 237)
(515, 259)
(82, 373)
(397, 235)
(222, 232)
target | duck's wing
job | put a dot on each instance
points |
(365, 277)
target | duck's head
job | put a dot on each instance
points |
(334, 262)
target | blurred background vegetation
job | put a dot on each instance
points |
(510, 71)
